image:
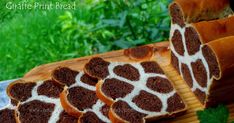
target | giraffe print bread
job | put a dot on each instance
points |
(136, 92)
(79, 96)
(38, 102)
(192, 54)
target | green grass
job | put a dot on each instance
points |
(29, 38)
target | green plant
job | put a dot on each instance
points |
(33, 37)
(135, 22)
(220, 114)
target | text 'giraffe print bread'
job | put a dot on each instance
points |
(135, 91)
(79, 96)
(197, 62)
(38, 102)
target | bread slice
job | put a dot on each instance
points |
(195, 62)
(79, 97)
(38, 102)
(192, 11)
(136, 92)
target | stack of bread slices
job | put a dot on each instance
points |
(202, 47)
(104, 92)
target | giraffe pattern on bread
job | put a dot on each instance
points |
(38, 102)
(79, 96)
(193, 53)
(136, 92)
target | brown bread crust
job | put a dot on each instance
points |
(199, 10)
(224, 51)
(212, 30)
(101, 95)
(115, 118)
(223, 84)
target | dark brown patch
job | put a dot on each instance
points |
(175, 62)
(232, 4)
(89, 80)
(35, 112)
(22, 91)
(192, 40)
(187, 75)
(151, 67)
(176, 15)
(148, 101)
(105, 110)
(127, 71)
(66, 118)
(159, 84)
(115, 88)
(139, 52)
(178, 43)
(90, 117)
(50, 88)
(200, 73)
(175, 103)
(81, 98)
(7, 116)
(200, 95)
(211, 60)
(14, 103)
(123, 110)
(97, 67)
(65, 75)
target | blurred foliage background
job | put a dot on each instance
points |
(33, 37)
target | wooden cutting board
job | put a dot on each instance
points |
(161, 55)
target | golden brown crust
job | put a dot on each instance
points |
(67, 106)
(161, 46)
(221, 89)
(198, 10)
(17, 118)
(101, 95)
(212, 30)
(114, 118)
(224, 51)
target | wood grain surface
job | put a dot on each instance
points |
(161, 55)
